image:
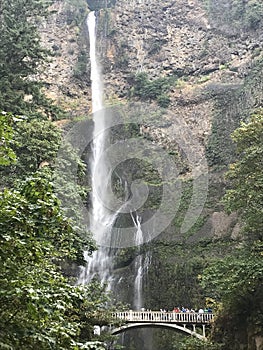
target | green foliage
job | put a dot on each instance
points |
(35, 142)
(7, 155)
(21, 56)
(236, 14)
(76, 11)
(40, 307)
(43, 207)
(155, 89)
(237, 279)
(80, 69)
(163, 101)
(254, 14)
(246, 175)
(99, 4)
(195, 344)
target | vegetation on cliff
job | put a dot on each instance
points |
(238, 14)
(236, 280)
(148, 90)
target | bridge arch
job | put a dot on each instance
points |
(183, 328)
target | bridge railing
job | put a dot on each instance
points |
(159, 316)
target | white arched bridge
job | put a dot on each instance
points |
(186, 322)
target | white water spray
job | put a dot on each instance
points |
(137, 300)
(140, 266)
(96, 83)
(102, 218)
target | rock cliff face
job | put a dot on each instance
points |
(185, 39)
(204, 56)
(64, 33)
(209, 54)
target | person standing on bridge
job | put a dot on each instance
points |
(176, 309)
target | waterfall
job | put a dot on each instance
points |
(138, 284)
(102, 218)
(100, 264)
(137, 300)
(140, 266)
(96, 82)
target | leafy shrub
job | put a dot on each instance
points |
(155, 89)
(163, 100)
(254, 14)
(81, 65)
(235, 14)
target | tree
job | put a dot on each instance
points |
(155, 89)
(21, 56)
(7, 155)
(40, 308)
(192, 343)
(34, 142)
(237, 279)
(246, 176)
(236, 282)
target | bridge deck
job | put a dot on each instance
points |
(169, 317)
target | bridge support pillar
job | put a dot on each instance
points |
(130, 314)
(194, 328)
(203, 330)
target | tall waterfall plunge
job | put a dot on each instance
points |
(101, 219)
(100, 264)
